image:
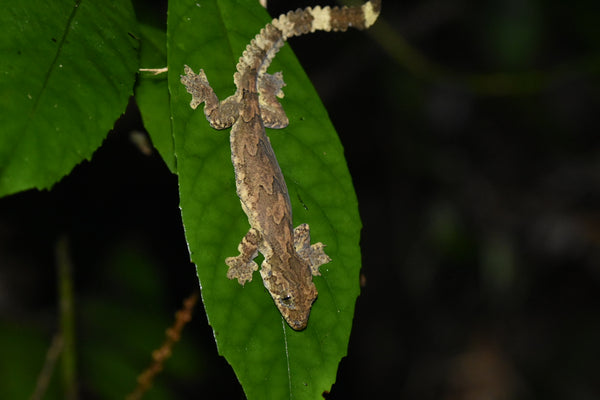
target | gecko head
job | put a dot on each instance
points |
(295, 304)
(292, 293)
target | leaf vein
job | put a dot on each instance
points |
(287, 356)
(52, 66)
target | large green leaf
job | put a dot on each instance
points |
(66, 72)
(271, 360)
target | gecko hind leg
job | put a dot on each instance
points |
(314, 255)
(271, 110)
(220, 115)
(242, 266)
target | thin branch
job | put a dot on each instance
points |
(67, 318)
(46, 373)
(160, 355)
(155, 71)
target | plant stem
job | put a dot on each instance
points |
(67, 317)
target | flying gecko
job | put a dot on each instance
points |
(290, 261)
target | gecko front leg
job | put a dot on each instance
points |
(242, 266)
(314, 255)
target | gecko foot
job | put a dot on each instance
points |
(240, 269)
(242, 266)
(271, 111)
(220, 115)
(314, 255)
(197, 85)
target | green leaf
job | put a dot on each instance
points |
(270, 359)
(66, 73)
(152, 92)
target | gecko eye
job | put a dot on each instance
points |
(287, 300)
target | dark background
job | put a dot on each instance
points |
(470, 130)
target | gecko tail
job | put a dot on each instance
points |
(263, 48)
(300, 22)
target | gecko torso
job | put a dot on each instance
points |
(290, 260)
